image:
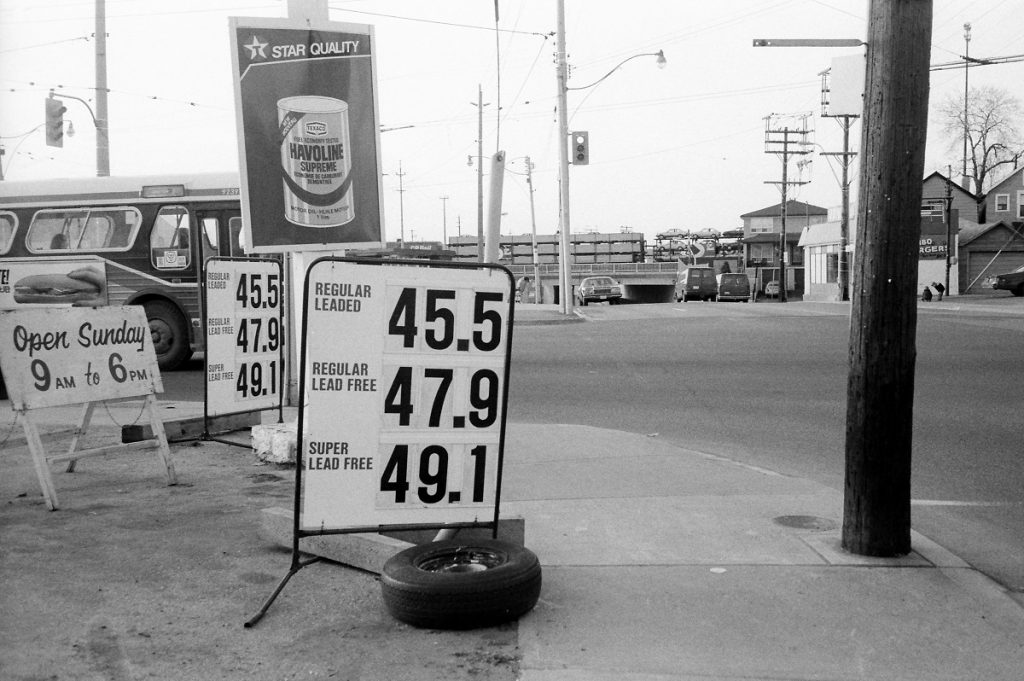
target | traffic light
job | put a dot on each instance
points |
(55, 122)
(580, 148)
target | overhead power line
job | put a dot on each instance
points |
(959, 64)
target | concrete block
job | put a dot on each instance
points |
(191, 427)
(364, 551)
(369, 551)
(275, 442)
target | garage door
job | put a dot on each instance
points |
(983, 264)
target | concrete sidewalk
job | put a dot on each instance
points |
(659, 563)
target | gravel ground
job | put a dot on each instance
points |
(133, 579)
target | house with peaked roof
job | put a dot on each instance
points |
(762, 239)
(1005, 201)
(937, 187)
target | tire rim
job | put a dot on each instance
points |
(160, 332)
(462, 559)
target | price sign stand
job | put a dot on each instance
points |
(404, 371)
(60, 357)
(243, 321)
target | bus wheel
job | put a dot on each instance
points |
(169, 333)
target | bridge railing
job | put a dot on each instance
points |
(610, 268)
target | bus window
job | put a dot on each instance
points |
(169, 245)
(8, 222)
(82, 229)
(210, 226)
(237, 238)
(49, 228)
(95, 233)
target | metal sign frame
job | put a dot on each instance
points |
(297, 531)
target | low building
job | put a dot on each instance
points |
(821, 246)
(989, 249)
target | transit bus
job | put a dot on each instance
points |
(120, 241)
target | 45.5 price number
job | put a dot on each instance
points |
(258, 291)
(436, 316)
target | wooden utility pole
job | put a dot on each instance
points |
(777, 141)
(880, 399)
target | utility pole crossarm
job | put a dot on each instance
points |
(808, 42)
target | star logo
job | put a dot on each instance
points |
(256, 48)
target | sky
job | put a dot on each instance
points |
(680, 147)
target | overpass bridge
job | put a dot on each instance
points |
(649, 282)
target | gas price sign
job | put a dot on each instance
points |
(405, 376)
(244, 335)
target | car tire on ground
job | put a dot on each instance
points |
(453, 584)
(169, 332)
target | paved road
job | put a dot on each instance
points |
(765, 384)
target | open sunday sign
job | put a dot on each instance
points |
(60, 356)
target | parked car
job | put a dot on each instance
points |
(696, 283)
(733, 286)
(1011, 281)
(771, 289)
(595, 289)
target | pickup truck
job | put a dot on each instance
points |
(1011, 281)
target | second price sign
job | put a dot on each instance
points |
(245, 335)
(405, 376)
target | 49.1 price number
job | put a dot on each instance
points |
(433, 475)
(257, 379)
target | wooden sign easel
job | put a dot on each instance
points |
(41, 461)
(65, 356)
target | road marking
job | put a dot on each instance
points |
(952, 502)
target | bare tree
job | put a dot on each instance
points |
(993, 131)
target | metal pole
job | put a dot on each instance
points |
(444, 221)
(564, 266)
(401, 205)
(102, 125)
(967, 63)
(480, 175)
(949, 228)
(492, 244)
(537, 291)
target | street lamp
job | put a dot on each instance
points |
(102, 143)
(660, 61)
(564, 268)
